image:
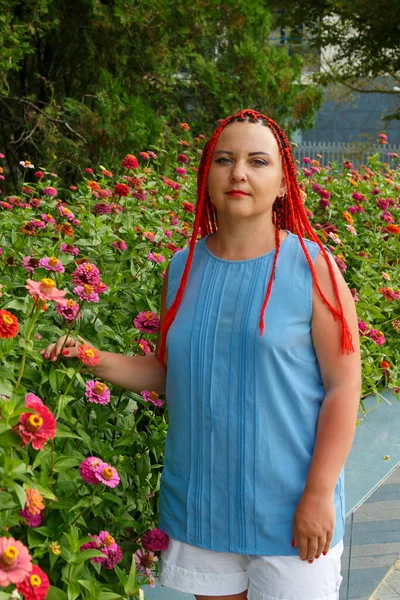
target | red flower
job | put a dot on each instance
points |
(121, 189)
(155, 540)
(188, 207)
(35, 585)
(130, 162)
(36, 428)
(393, 228)
(8, 324)
(88, 355)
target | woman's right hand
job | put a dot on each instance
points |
(66, 345)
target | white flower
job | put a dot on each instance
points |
(335, 237)
(15, 595)
(141, 594)
(26, 164)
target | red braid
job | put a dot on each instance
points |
(289, 214)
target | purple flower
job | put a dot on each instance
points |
(155, 540)
(147, 322)
(107, 474)
(104, 542)
(341, 264)
(120, 245)
(323, 203)
(97, 392)
(32, 520)
(52, 264)
(102, 209)
(50, 191)
(155, 257)
(30, 264)
(88, 468)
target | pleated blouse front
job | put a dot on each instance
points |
(243, 409)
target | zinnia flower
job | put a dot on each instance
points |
(130, 162)
(34, 501)
(88, 355)
(147, 322)
(45, 290)
(120, 245)
(52, 264)
(108, 475)
(69, 311)
(36, 428)
(69, 249)
(88, 468)
(182, 158)
(50, 191)
(155, 257)
(8, 324)
(171, 184)
(121, 189)
(188, 207)
(97, 392)
(86, 273)
(15, 561)
(86, 292)
(143, 345)
(31, 520)
(35, 585)
(155, 540)
(102, 209)
(144, 561)
(151, 397)
(104, 542)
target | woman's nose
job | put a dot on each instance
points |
(238, 172)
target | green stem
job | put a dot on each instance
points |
(70, 326)
(78, 368)
(34, 318)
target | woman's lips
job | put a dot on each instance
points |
(237, 194)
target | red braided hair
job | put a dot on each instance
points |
(288, 213)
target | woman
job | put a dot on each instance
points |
(263, 382)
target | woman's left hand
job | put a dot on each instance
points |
(313, 524)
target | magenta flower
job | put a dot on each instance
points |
(66, 212)
(155, 540)
(48, 218)
(52, 264)
(188, 207)
(341, 264)
(101, 287)
(152, 154)
(97, 392)
(104, 542)
(69, 249)
(323, 203)
(37, 223)
(102, 209)
(69, 311)
(171, 184)
(88, 468)
(180, 171)
(147, 322)
(50, 191)
(31, 520)
(168, 233)
(120, 245)
(15, 561)
(376, 336)
(86, 292)
(143, 345)
(151, 397)
(86, 273)
(306, 160)
(182, 158)
(155, 257)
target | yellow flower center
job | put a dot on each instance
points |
(88, 267)
(153, 395)
(99, 388)
(109, 540)
(49, 216)
(141, 346)
(89, 353)
(53, 261)
(10, 555)
(108, 473)
(157, 255)
(48, 283)
(7, 320)
(34, 423)
(35, 581)
(88, 289)
(71, 302)
(149, 316)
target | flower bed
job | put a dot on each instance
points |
(80, 460)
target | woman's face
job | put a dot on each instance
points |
(246, 158)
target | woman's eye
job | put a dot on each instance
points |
(260, 162)
(219, 160)
(257, 161)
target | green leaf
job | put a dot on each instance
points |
(86, 555)
(64, 432)
(121, 575)
(45, 492)
(55, 593)
(21, 493)
(64, 463)
(131, 586)
(6, 501)
(5, 596)
(108, 595)
(73, 591)
(6, 388)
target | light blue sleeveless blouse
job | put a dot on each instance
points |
(243, 409)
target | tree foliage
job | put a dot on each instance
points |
(365, 37)
(89, 81)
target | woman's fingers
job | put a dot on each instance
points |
(65, 344)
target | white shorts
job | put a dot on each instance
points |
(206, 573)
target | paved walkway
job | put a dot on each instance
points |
(389, 589)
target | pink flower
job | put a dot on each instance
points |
(108, 475)
(86, 273)
(376, 336)
(69, 249)
(89, 170)
(307, 172)
(151, 397)
(86, 292)
(155, 257)
(155, 540)
(66, 212)
(171, 184)
(306, 160)
(50, 191)
(45, 290)
(168, 233)
(362, 326)
(104, 542)
(37, 223)
(147, 322)
(120, 245)
(48, 219)
(188, 207)
(52, 264)
(323, 203)
(102, 209)
(387, 216)
(15, 561)
(341, 264)
(354, 294)
(144, 561)
(69, 311)
(30, 264)
(97, 392)
(182, 158)
(88, 468)
(38, 174)
(152, 154)
(180, 171)
(145, 155)
(143, 345)
(31, 520)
